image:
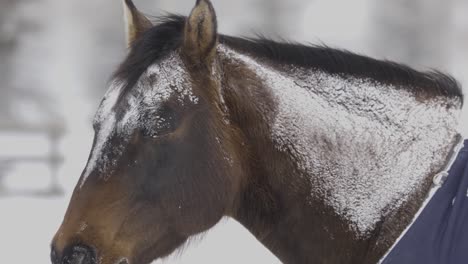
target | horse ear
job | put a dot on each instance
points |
(200, 35)
(135, 22)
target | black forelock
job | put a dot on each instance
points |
(167, 36)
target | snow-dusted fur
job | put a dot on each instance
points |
(365, 146)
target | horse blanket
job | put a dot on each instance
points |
(439, 235)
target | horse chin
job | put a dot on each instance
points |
(162, 249)
(122, 261)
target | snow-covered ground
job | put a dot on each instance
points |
(28, 224)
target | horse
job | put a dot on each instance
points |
(325, 156)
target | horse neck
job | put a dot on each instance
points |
(356, 149)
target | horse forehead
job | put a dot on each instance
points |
(156, 85)
(159, 82)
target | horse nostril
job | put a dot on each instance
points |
(53, 256)
(79, 255)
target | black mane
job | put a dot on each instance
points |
(167, 36)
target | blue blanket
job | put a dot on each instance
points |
(440, 234)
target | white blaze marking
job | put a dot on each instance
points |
(159, 82)
(106, 117)
(364, 146)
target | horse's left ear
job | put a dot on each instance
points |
(201, 35)
(135, 22)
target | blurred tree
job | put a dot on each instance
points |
(7, 46)
(98, 44)
(25, 106)
(460, 43)
(280, 18)
(20, 79)
(416, 32)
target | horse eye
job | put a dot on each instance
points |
(163, 122)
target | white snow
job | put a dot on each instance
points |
(365, 146)
(106, 118)
(27, 227)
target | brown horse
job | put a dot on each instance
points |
(324, 155)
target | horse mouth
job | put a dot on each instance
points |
(123, 261)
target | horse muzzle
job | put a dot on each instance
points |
(77, 254)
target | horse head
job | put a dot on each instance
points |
(165, 163)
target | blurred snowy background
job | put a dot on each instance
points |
(57, 55)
